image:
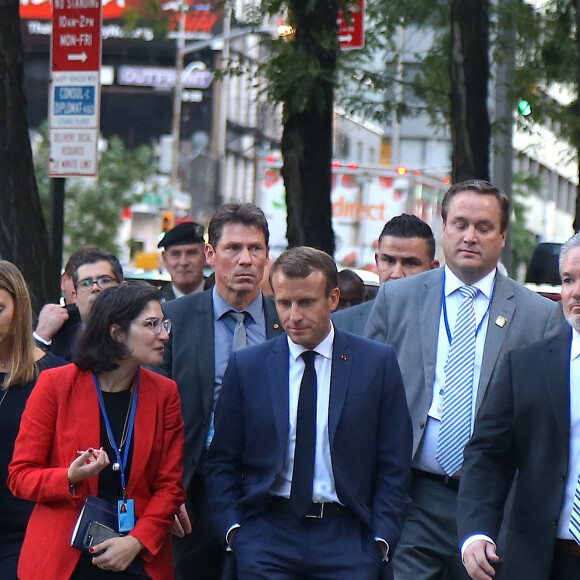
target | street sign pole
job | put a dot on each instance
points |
(74, 105)
(57, 192)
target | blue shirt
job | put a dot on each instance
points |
(224, 326)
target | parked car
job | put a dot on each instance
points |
(543, 275)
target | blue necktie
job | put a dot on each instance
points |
(303, 473)
(455, 426)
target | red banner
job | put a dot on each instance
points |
(42, 9)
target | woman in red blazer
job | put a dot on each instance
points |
(104, 426)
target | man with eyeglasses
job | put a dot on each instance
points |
(97, 271)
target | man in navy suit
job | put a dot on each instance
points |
(310, 488)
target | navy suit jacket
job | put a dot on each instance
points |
(189, 360)
(368, 427)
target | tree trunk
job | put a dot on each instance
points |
(307, 135)
(469, 72)
(576, 222)
(23, 234)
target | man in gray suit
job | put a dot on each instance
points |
(418, 316)
(406, 247)
(207, 326)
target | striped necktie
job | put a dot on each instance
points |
(575, 518)
(455, 426)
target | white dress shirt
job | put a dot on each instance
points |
(425, 457)
(323, 486)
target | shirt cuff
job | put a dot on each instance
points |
(40, 339)
(230, 530)
(386, 558)
(472, 539)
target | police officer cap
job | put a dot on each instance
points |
(185, 233)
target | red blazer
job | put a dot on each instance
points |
(62, 416)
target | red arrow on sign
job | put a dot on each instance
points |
(351, 33)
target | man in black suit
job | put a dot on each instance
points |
(203, 335)
(406, 247)
(308, 469)
(184, 258)
(529, 423)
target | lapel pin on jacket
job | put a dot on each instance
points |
(500, 321)
(343, 356)
(275, 326)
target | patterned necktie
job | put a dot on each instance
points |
(303, 473)
(575, 519)
(240, 337)
(455, 426)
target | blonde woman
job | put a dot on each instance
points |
(20, 363)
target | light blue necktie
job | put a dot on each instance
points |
(455, 426)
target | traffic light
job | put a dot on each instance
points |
(167, 221)
(524, 108)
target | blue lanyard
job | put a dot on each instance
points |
(444, 304)
(121, 460)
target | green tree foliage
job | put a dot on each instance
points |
(93, 206)
(375, 68)
(302, 75)
(546, 52)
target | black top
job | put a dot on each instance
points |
(14, 513)
(117, 406)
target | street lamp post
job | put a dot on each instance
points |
(221, 42)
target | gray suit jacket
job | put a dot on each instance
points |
(406, 315)
(353, 319)
(189, 359)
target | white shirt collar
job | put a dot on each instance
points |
(178, 293)
(484, 285)
(324, 348)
